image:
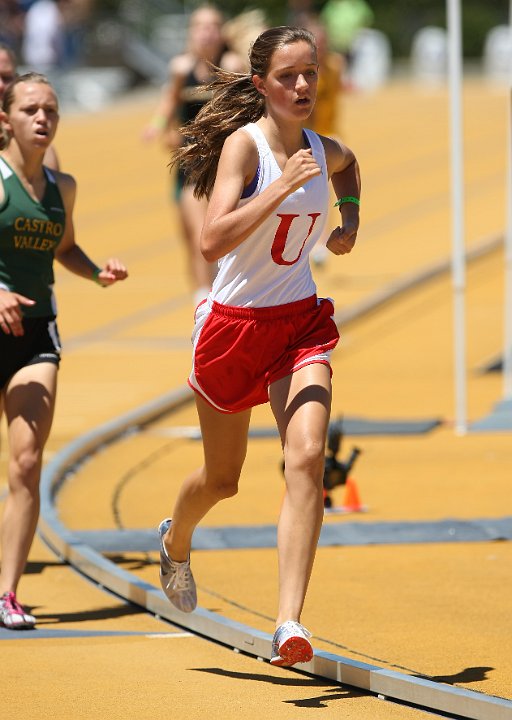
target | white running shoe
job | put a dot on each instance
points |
(13, 614)
(290, 645)
(176, 577)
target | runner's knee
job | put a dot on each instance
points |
(24, 468)
(224, 483)
(308, 456)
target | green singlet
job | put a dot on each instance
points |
(30, 231)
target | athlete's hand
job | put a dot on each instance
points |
(149, 133)
(11, 312)
(113, 271)
(300, 168)
(342, 239)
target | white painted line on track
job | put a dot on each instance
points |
(166, 636)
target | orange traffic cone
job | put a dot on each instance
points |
(352, 501)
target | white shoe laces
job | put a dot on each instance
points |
(292, 625)
(305, 630)
(181, 579)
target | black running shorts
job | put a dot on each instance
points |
(40, 343)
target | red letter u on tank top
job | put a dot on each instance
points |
(282, 234)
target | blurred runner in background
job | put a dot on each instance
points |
(181, 100)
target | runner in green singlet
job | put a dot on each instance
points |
(36, 227)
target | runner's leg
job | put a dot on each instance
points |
(225, 447)
(301, 404)
(29, 401)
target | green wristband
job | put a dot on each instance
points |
(159, 122)
(95, 277)
(347, 199)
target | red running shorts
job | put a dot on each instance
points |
(240, 351)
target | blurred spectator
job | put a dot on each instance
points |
(429, 54)
(297, 11)
(75, 15)
(12, 18)
(43, 41)
(497, 57)
(371, 59)
(343, 20)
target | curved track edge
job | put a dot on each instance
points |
(382, 682)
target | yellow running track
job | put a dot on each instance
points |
(437, 608)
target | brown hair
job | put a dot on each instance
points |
(32, 77)
(235, 102)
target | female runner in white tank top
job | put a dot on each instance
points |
(262, 334)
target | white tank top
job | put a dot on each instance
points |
(271, 266)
